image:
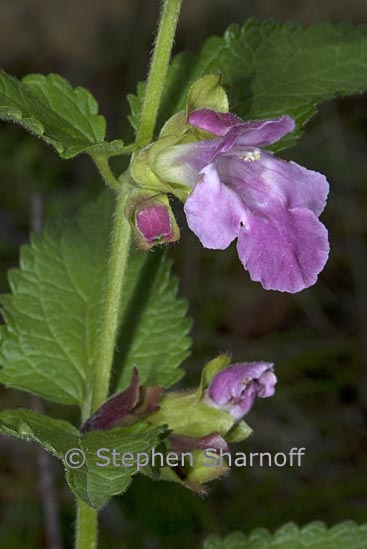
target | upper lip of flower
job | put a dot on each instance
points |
(234, 131)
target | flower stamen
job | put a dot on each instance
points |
(250, 156)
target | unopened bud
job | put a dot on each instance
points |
(236, 387)
(152, 220)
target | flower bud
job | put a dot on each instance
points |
(152, 220)
(196, 474)
(197, 420)
(124, 408)
(235, 388)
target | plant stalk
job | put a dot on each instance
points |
(87, 527)
(106, 173)
(158, 70)
(87, 518)
(119, 252)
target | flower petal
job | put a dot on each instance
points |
(260, 133)
(154, 223)
(236, 387)
(300, 187)
(255, 133)
(182, 163)
(268, 179)
(283, 249)
(214, 122)
(229, 382)
(213, 211)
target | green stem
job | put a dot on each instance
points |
(119, 252)
(86, 533)
(104, 169)
(158, 70)
(87, 518)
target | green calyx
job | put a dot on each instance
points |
(206, 92)
(191, 423)
(186, 414)
(196, 471)
(196, 427)
(143, 172)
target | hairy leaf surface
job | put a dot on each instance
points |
(95, 484)
(52, 109)
(49, 341)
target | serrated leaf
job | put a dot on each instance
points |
(48, 343)
(49, 107)
(347, 535)
(271, 69)
(55, 435)
(154, 326)
(94, 483)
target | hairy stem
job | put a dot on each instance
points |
(87, 526)
(120, 242)
(104, 169)
(158, 70)
(87, 519)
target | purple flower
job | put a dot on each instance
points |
(154, 224)
(236, 387)
(241, 191)
(151, 219)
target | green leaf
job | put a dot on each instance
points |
(49, 107)
(55, 435)
(154, 326)
(271, 69)
(92, 481)
(346, 535)
(97, 480)
(136, 105)
(112, 148)
(48, 343)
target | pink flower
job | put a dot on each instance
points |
(236, 387)
(241, 191)
(151, 219)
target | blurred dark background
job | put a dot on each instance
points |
(317, 338)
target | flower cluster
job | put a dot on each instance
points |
(208, 417)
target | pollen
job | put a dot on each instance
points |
(251, 156)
